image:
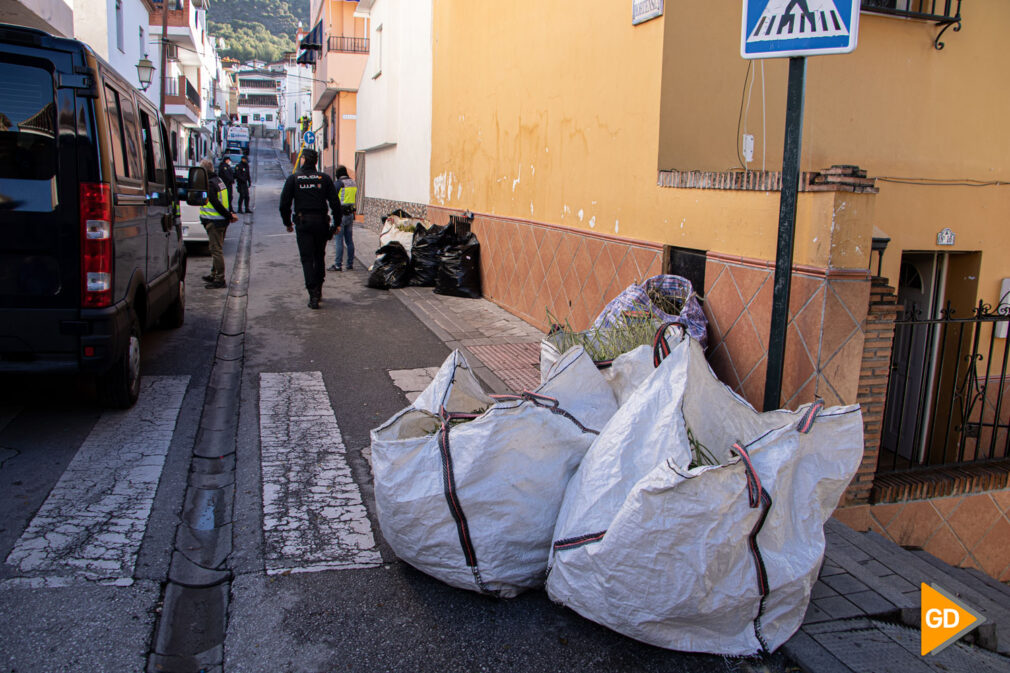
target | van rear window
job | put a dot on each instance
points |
(27, 139)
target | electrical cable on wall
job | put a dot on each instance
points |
(942, 182)
(739, 119)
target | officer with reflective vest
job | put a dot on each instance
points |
(311, 192)
(348, 191)
(216, 215)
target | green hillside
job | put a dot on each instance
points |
(257, 29)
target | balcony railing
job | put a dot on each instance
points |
(353, 45)
(192, 95)
(261, 100)
(944, 13)
(258, 83)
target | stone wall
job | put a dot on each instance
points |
(375, 209)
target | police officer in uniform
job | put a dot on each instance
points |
(311, 192)
(215, 216)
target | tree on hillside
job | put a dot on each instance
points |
(248, 40)
(257, 29)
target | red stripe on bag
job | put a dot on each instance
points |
(758, 497)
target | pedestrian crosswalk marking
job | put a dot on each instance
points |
(92, 524)
(798, 18)
(313, 515)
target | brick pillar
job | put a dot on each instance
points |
(873, 376)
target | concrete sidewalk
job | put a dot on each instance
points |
(864, 610)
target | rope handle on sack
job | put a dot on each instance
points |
(550, 403)
(757, 497)
(807, 422)
(445, 416)
(578, 541)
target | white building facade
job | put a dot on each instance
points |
(118, 31)
(259, 100)
(53, 16)
(191, 68)
(297, 101)
(393, 159)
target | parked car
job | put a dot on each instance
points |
(193, 233)
(92, 251)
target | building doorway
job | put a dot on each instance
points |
(928, 360)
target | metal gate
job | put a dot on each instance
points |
(948, 401)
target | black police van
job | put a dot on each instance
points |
(91, 250)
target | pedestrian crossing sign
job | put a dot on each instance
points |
(781, 28)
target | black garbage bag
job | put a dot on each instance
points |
(391, 269)
(428, 246)
(459, 269)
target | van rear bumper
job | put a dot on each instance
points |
(62, 340)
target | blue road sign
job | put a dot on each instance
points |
(779, 28)
(309, 139)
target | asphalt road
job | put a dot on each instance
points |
(313, 585)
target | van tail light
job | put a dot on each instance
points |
(96, 245)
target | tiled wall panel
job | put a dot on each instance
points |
(531, 269)
(969, 531)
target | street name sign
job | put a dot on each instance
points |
(781, 28)
(644, 10)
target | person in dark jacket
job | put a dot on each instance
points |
(215, 216)
(227, 173)
(242, 180)
(311, 192)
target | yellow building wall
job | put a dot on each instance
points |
(557, 120)
(897, 107)
(562, 115)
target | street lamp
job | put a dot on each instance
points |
(145, 71)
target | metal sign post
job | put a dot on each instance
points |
(787, 226)
(794, 29)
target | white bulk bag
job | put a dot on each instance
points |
(717, 559)
(474, 503)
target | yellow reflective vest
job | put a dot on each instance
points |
(207, 210)
(348, 193)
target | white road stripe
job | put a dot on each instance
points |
(91, 525)
(313, 516)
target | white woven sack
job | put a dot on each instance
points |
(673, 556)
(474, 504)
(390, 232)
